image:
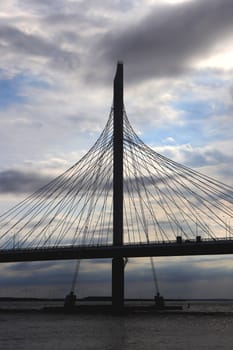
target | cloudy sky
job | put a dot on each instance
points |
(58, 60)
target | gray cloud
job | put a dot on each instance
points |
(169, 39)
(196, 157)
(211, 157)
(13, 181)
(22, 43)
(164, 43)
(231, 92)
(172, 276)
(55, 272)
(27, 43)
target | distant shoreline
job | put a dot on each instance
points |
(106, 298)
(107, 310)
(97, 305)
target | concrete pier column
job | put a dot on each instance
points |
(118, 284)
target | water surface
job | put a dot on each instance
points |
(106, 332)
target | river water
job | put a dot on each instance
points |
(29, 331)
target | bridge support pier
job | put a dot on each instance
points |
(118, 284)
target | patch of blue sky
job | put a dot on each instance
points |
(35, 82)
(193, 110)
(181, 134)
(12, 90)
(210, 79)
(195, 114)
(189, 130)
(154, 136)
(192, 129)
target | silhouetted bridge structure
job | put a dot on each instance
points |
(206, 247)
(121, 200)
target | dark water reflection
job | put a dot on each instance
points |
(137, 332)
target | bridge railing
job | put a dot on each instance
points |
(127, 244)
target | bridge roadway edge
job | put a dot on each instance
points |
(219, 247)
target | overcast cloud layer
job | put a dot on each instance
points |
(169, 40)
(58, 60)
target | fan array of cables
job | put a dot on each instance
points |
(162, 200)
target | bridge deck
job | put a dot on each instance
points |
(216, 247)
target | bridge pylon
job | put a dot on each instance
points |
(118, 262)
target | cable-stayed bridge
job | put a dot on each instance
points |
(122, 199)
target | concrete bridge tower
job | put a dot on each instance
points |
(118, 262)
